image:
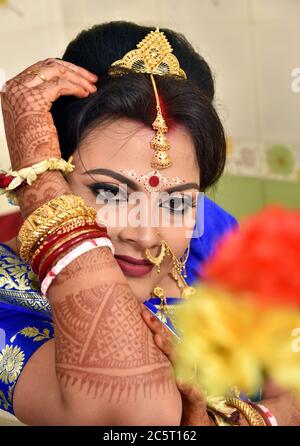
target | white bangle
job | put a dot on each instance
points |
(72, 255)
(268, 414)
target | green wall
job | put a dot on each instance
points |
(242, 196)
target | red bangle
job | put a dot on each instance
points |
(47, 263)
(51, 240)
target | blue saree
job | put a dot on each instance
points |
(25, 316)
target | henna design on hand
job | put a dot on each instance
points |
(30, 132)
(26, 102)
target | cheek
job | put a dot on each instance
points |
(176, 238)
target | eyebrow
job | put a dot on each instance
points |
(133, 185)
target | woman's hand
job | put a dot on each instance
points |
(26, 101)
(193, 404)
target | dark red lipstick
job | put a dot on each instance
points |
(134, 267)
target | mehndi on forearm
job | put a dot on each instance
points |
(104, 352)
(103, 344)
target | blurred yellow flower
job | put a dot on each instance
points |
(229, 341)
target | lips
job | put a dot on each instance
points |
(134, 267)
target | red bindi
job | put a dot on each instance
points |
(154, 181)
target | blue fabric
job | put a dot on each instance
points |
(212, 223)
(25, 316)
(22, 332)
(25, 321)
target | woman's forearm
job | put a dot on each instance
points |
(48, 185)
(108, 367)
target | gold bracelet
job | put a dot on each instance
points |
(48, 218)
(33, 241)
(66, 227)
(251, 415)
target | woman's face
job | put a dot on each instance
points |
(139, 218)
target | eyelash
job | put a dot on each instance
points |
(96, 187)
(115, 190)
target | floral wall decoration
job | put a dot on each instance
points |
(268, 160)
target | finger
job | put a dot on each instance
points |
(155, 325)
(92, 77)
(79, 70)
(190, 392)
(56, 87)
(52, 68)
(77, 78)
(30, 68)
(165, 345)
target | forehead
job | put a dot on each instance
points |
(125, 144)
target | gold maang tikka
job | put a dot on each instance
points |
(153, 55)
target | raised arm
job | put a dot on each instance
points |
(107, 367)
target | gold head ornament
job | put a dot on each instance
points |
(153, 55)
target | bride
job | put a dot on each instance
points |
(79, 345)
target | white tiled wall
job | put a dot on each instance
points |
(252, 47)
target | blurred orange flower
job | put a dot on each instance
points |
(262, 259)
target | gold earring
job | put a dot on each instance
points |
(183, 262)
(157, 260)
(176, 272)
(163, 307)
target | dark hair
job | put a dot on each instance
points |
(186, 102)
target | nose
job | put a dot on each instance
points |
(140, 238)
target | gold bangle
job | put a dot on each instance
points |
(66, 227)
(48, 218)
(251, 415)
(34, 240)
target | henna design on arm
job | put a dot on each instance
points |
(48, 185)
(103, 347)
(98, 261)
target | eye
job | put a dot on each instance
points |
(179, 204)
(108, 192)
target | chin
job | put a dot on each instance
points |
(142, 291)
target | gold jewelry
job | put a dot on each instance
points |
(153, 55)
(157, 260)
(48, 218)
(163, 307)
(251, 415)
(37, 72)
(64, 229)
(176, 272)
